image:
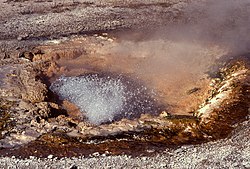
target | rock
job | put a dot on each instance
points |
(44, 109)
(37, 51)
(163, 165)
(54, 105)
(24, 81)
(73, 167)
(32, 157)
(22, 37)
(193, 90)
(50, 156)
(150, 151)
(36, 92)
(19, 38)
(96, 154)
(164, 114)
(26, 55)
(73, 133)
(32, 133)
(23, 105)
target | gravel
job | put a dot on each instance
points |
(25, 24)
(27, 20)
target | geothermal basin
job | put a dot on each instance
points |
(93, 97)
(130, 80)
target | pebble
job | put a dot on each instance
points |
(50, 156)
(32, 157)
(96, 154)
(73, 167)
(22, 37)
(150, 151)
(163, 165)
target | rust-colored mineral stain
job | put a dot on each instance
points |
(72, 110)
(61, 146)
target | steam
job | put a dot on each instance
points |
(224, 22)
(176, 57)
(219, 27)
(105, 98)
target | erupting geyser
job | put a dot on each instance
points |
(105, 98)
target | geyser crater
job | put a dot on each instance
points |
(105, 97)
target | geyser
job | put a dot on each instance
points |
(103, 98)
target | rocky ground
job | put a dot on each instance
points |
(232, 152)
(30, 22)
(42, 40)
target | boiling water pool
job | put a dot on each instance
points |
(105, 98)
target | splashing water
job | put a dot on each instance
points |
(104, 98)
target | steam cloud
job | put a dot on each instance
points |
(224, 22)
(176, 56)
(205, 31)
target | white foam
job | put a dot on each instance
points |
(103, 98)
